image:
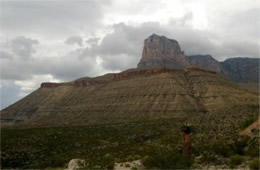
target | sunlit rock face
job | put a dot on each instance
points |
(161, 51)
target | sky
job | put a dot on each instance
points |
(62, 40)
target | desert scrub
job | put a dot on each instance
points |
(236, 160)
(248, 122)
(254, 164)
(108, 161)
(253, 147)
(166, 160)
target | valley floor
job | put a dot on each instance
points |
(156, 143)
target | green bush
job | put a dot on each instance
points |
(208, 157)
(239, 145)
(127, 165)
(108, 161)
(236, 160)
(253, 148)
(254, 164)
(221, 149)
(247, 122)
(133, 157)
(166, 160)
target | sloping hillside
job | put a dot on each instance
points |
(127, 96)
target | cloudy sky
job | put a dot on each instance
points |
(62, 40)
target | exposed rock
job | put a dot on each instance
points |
(137, 164)
(241, 69)
(161, 51)
(205, 61)
(76, 164)
(117, 76)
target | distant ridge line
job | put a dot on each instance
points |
(121, 76)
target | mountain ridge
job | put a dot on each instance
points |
(128, 96)
(241, 70)
(150, 91)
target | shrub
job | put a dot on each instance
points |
(221, 149)
(127, 165)
(253, 148)
(166, 160)
(239, 145)
(208, 157)
(236, 160)
(254, 164)
(133, 157)
(247, 122)
(108, 161)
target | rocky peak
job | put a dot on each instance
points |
(157, 47)
(161, 51)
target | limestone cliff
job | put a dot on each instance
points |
(161, 51)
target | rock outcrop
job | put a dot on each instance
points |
(161, 51)
(76, 164)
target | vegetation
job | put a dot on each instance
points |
(236, 160)
(255, 164)
(248, 122)
(166, 160)
(156, 142)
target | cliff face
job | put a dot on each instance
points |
(161, 51)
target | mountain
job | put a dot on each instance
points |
(161, 51)
(128, 96)
(166, 84)
(241, 69)
(205, 61)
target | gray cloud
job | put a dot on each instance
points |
(122, 49)
(93, 41)
(74, 40)
(51, 18)
(23, 46)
